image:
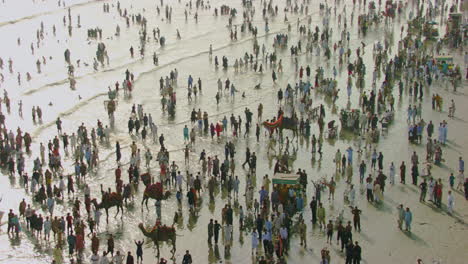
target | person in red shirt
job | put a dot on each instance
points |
(218, 130)
(69, 219)
(118, 174)
(80, 243)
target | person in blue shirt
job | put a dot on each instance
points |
(291, 193)
(284, 237)
(350, 155)
(451, 180)
(461, 165)
(408, 219)
(299, 203)
(374, 159)
(179, 196)
(225, 122)
(186, 133)
(263, 193)
(444, 67)
(190, 81)
(410, 113)
(419, 132)
(77, 168)
(268, 225)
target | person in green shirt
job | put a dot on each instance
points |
(321, 215)
(303, 233)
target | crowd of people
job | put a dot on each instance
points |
(278, 214)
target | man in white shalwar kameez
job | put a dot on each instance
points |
(450, 202)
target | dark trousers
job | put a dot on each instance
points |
(357, 225)
(265, 246)
(422, 197)
(370, 195)
(344, 241)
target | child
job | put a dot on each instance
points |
(179, 197)
(451, 180)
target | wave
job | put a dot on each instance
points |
(14, 21)
(152, 69)
(116, 68)
(84, 103)
(66, 113)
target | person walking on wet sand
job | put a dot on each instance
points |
(423, 187)
(210, 231)
(356, 252)
(321, 216)
(313, 208)
(187, 258)
(450, 202)
(329, 231)
(401, 216)
(254, 242)
(402, 172)
(356, 218)
(217, 227)
(408, 219)
(302, 227)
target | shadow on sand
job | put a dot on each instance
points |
(415, 238)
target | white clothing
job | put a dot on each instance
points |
(118, 259)
(352, 196)
(392, 174)
(104, 260)
(450, 203)
(94, 259)
(254, 240)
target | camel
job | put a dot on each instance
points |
(289, 123)
(113, 199)
(160, 234)
(154, 191)
(146, 178)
